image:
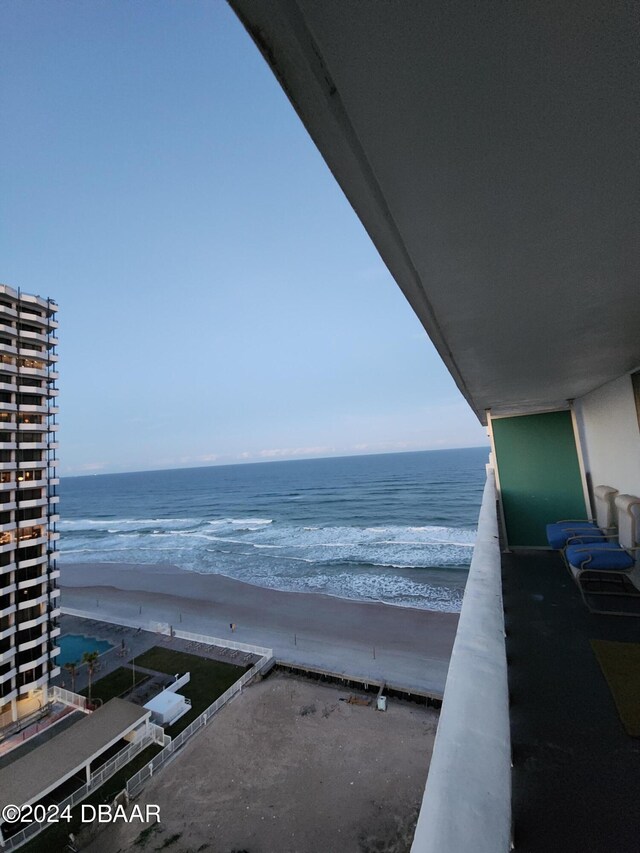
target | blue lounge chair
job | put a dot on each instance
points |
(610, 567)
(586, 530)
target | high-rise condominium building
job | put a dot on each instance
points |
(28, 498)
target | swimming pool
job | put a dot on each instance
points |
(75, 645)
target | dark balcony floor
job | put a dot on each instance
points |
(576, 775)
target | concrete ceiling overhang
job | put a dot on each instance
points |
(491, 150)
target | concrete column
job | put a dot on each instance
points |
(14, 710)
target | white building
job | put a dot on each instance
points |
(28, 498)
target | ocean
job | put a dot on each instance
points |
(397, 528)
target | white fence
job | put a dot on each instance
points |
(154, 733)
(216, 641)
(141, 624)
(167, 630)
(179, 682)
(59, 694)
(467, 800)
(135, 783)
(98, 778)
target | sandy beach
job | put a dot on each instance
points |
(290, 767)
(405, 647)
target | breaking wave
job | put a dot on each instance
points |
(418, 566)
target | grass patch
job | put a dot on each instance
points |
(114, 684)
(209, 679)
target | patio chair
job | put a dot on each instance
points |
(609, 567)
(586, 529)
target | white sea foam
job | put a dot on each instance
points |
(388, 563)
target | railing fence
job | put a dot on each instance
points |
(135, 783)
(154, 733)
(67, 697)
(97, 779)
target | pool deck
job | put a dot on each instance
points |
(136, 643)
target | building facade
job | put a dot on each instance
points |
(29, 603)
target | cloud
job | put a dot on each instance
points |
(85, 468)
(382, 446)
(288, 452)
(207, 457)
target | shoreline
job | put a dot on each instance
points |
(368, 638)
(156, 569)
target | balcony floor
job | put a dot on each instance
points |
(576, 776)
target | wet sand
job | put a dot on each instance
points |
(407, 647)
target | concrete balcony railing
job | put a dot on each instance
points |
(11, 608)
(34, 561)
(467, 800)
(8, 675)
(32, 484)
(8, 632)
(27, 584)
(26, 428)
(34, 367)
(32, 664)
(28, 408)
(31, 644)
(38, 598)
(33, 623)
(30, 504)
(27, 335)
(27, 465)
(31, 522)
(8, 655)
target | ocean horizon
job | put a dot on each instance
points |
(395, 527)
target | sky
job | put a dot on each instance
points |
(220, 301)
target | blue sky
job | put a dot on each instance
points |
(219, 299)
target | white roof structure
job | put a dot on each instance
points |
(491, 152)
(167, 706)
(40, 771)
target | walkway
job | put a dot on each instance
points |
(576, 771)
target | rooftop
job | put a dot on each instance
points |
(35, 774)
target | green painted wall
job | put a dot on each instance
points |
(539, 474)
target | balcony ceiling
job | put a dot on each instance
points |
(492, 152)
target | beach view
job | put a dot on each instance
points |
(319, 427)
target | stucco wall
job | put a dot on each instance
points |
(610, 436)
